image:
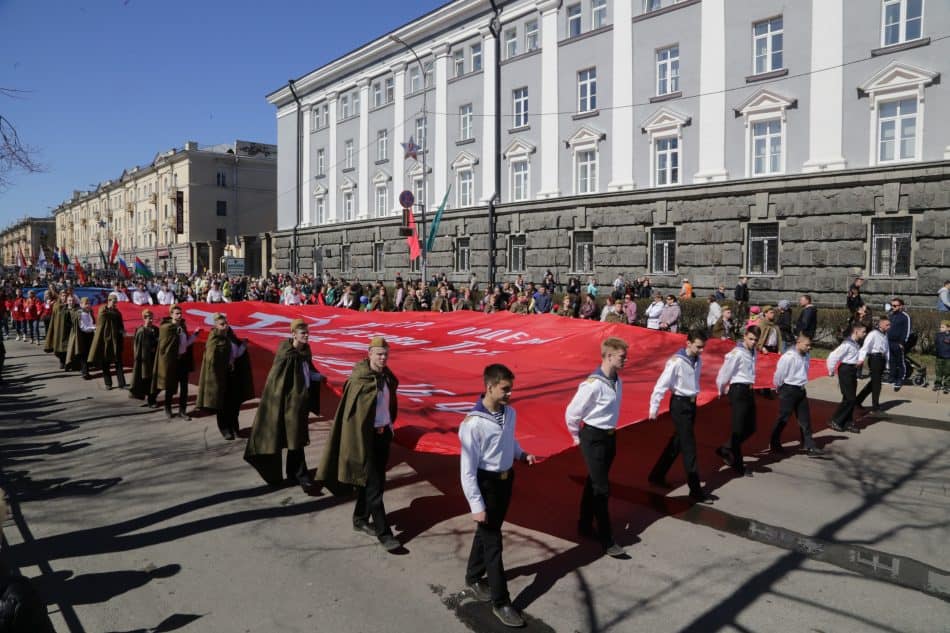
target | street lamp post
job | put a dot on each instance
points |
(425, 151)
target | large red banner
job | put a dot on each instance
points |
(439, 358)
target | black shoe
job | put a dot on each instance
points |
(109, 387)
(586, 530)
(725, 455)
(835, 426)
(897, 387)
(365, 527)
(814, 451)
(851, 428)
(615, 551)
(184, 416)
(169, 414)
(659, 482)
(229, 435)
(480, 590)
(778, 449)
(389, 542)
(509, 616)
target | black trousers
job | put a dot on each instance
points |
(742, 399)
(898, 370)
(876, 365)
(848, 384)
(369, 498)
(485, 558)
(228, 415)
(181, 385)
(683, 411)
(119, 373)
(296, 468)
(599, 447)
(62, 359)
(792, 398)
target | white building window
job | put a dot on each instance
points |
(345, 106)
(598, 10)
(651, 5)
(587, 90)
(531, 39)
(767, 147)
(466, 188)
(348, 205)
(586, 170)
(390, 90)
(668, 70)
(902, 21)
(767, 45)
(421, 132)
(378, 259)
(382, 201)
(897, 130)
(463, 255)
(663, 250)
(465, 122)
(377, 94)
(382, 145)
(415, 79)
(763, 249)
(348, 154)
(458, 62)
(667, 161)
(321, 208)
(574, 20)
(355, 100)
(476, 55)
(582, 251)
(511, 43)
(419, 190)
(519, 99)
(891, 240)
(321, 162)
(517, 247)
(520, 180)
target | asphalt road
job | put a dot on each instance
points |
(128, 523)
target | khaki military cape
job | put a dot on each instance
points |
(144, 346)
(64, 328)
(410, 303)
(165, 372)
(54, 324)
(77, 345)
(107, 343)
(347, 456)
(281, 418)
(217, 382)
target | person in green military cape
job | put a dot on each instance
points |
(52, 298)
(60, 326)
(106, 348)
(290, 394)
(144, 346)
(174, 361)
(357, 452)
(82, 329)
(225, 380)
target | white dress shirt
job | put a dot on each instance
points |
(383, 416)
(184, 341)
(166, 297)
(214, 296)
(792, 369)
(121, 296)
(847, 353)
(653, 312)
(237, 350)
(738, 367)
(874, 343)
(86, 324)
(597, 403)
(141, 298)
(681, 375)
(486, 445)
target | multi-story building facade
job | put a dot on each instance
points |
(797, 143)
(28, 236)
(181, 213)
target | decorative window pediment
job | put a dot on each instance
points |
(347, 184)
(519, 148)
(381, 178)
(898, 76)
(665, 120)
(585, 137)
(416, 171)
(765, 101)
(319, 191)
(464, 160)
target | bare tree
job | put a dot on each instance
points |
(14, 155)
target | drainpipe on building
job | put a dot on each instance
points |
(494, 26)
(293, 250)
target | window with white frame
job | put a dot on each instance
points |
(415, 79)
(901, 21)
(463, 252)
(465, 122)
(475, 52)
(574, 20)
(520, 180)
(419, 190)
(519, 100)
(517, 249)
(321, 209)
(348, 205)
(345, 106)
(667, 160)
(378, 259)
(587, 90)
(651, 5)
(355, 100)
(511, 43)
(582, 251)
(531, 38)
(421, 132)
(345, 258)
(891, 240)
(767, 45)
(767, 147)
(586, 170)
(668, 70)
(377, 94)
(598, 17)
(321, 162)
(348, 154)
(663, 250)
(762, 249)
(382, 201)
(382, 145)
(897, 130)
(458, 62)
(390, 87)
(429, 74)
(466, 188)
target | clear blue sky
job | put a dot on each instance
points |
(112, 82)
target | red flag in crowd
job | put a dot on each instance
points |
(413, 240)
(80, 273)
(115, 250)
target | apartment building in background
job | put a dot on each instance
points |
(28, 236)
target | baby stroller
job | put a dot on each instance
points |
(914, 372)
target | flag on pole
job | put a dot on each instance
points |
(80, 273)
(55, 257)
(102, 255)
(430, 240)
(115, 250)
(124, 269)
(413, 240)
(21, 260)
(65, 259)
(41, 259)
(141, 268)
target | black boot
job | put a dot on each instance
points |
(695, 488)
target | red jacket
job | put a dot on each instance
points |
(18, 311)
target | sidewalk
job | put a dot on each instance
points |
(910, 401)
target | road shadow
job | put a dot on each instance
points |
(63, 586)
